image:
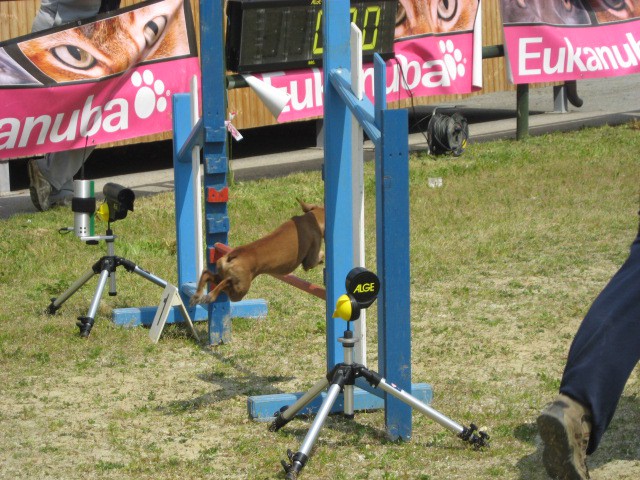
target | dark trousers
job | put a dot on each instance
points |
(606, 347)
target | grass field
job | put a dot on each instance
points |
(506, 258)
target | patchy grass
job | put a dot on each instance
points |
(506, 257)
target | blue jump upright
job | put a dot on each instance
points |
(210, 133)
(388, 129)
(392, 208)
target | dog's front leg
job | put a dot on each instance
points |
(198, 296)
(213, 294)
(313, 258)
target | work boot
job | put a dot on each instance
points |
(564, 426)
(39, 187)
(60, 198)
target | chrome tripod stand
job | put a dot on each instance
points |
(106, 268)
(342, 378)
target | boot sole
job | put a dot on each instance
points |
(557, 456)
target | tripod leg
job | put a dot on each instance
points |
(422, 407)
(132, 267)
(86, 323)
(299, 459)
(348, 401)
(150, 276)
(112, 275)
(112, 284)
(465, 433)
(286, 414)
(57, 302)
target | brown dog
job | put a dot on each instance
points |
(297, 241)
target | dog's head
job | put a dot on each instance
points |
(316, 210)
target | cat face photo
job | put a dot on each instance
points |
(555, 12)
(419, 17)
(111, 46)
(615, 10)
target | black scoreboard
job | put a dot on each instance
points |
(269, 35)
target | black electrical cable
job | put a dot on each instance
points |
(410, 92)
(447, 134)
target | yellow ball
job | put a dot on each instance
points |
(103, 212)
(343, 308)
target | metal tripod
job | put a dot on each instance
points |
(106, 268)
(342, 378)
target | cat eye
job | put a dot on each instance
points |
(74, 57)
(154, 29)
(447, 9)
(615, 4)
(401, 14)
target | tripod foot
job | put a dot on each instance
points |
(279, 421)
(476, 437)
(85, 324)
(52, 309)
(298, 461)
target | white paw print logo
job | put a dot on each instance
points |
(452, 59)
(150, 94)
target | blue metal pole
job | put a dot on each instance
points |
(337, 171)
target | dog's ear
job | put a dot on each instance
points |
(307, 207)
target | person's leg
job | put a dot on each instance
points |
(57, 12)
(60, 167)
(51, 177)
(605, 349)
(602, 356)
(45, 16)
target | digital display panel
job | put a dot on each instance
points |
(269, 35)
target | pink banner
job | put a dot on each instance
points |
(586, 40)
(438, 51)
(68, 87)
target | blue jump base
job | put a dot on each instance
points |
(263, 407)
